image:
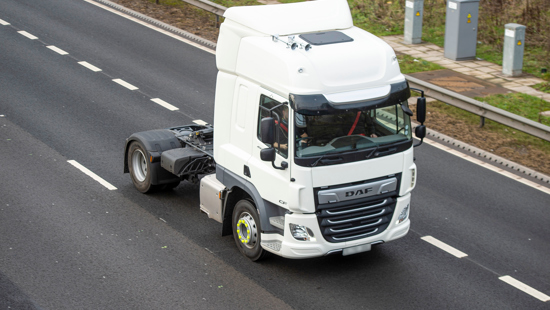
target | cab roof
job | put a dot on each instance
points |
(293, 18)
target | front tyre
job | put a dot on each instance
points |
(247, 230)
(140, 167)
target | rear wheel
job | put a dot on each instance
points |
(247, 230)
(140, 167)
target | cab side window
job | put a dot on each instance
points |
(272, 108)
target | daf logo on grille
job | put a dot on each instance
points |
(359, 192)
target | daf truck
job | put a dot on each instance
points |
(311, 148)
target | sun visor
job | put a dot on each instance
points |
(354, 100)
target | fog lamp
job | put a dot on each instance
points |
(301, 233)
(404, 215)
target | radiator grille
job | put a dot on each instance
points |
(357, 221)
(348, 220)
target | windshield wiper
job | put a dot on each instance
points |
(373, 150)
(327, 153)
(382, 145)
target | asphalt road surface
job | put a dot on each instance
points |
(68, 241)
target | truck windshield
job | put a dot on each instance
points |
(351, 130)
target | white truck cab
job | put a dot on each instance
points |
(312, 147)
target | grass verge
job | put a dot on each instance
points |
(493, 137)
(520, 104)
(409, 64)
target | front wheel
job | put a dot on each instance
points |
(247, 230)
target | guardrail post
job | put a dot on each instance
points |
(414, 12)
(514, 42)
(461, 29)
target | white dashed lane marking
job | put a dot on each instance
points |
(125, 84)
(200, 122)
(525, 288)
(513, 282)
(4, 23)
(164, 104)
(26, 34)
(57, 50)
(94, 176)
(89, 66)
(445, 247)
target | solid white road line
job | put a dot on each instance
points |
(57, 50)
(3, 22)
(125, 84)
(94, 176)
(200, 122)
(168, 33)
(489, 166)
(445, 247)
(164, 104)
(89, 66)
(525, 288)
(26, 34)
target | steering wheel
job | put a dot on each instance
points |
(298, 141)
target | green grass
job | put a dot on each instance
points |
(409, 64)
(382, 17)
(230, 3)
(516, 138)
(520, 104)
(435, 35)
(543, 87)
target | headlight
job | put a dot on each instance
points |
(301, 233)
(404, 215)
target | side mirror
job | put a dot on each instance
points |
(267, 154)
(267, 131)
(420, 133)
(421, 110)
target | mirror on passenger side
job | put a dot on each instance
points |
(267, 130)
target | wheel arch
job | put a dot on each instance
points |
(155, 142)
(235, 195)
(239, 189)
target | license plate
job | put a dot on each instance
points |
(356, 249)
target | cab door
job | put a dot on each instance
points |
(272, 183)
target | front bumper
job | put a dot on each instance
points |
(289, 247)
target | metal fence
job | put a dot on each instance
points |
(208, 6)
(482, 109)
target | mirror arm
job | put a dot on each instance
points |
(284, 165)
(418, 90)
(419, 143)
